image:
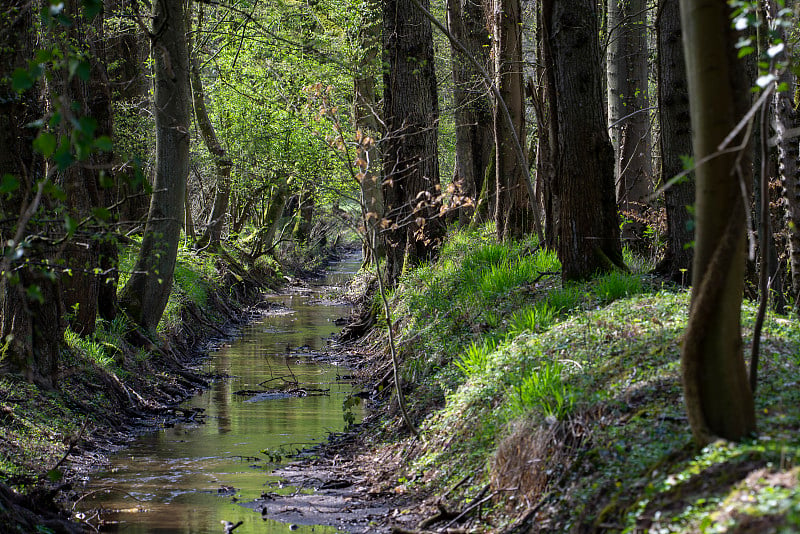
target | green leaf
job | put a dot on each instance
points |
(9, 184)
(34, 292)
(745, 51)
(87, 126)
(70, 224)
(21, 80)
(101, 214)
(43, 56)
(92, 8)
(84, 71)
(63, 156)
(45, 144)
(104, 143)
(54, 191)
(54, 475)
(105, 181)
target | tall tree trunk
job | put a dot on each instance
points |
(676, 142)
(787, 119)
(513, 215)
(545, 128)
(473, 107)
(222, 163)
(410, 148)
(127, 52)
(588, 228)
(31, 310)
(366, 119)
(716, 390)
(91, 98)
(627, 110)
(147, 291)
(305, 213)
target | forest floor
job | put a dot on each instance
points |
(549, 408)
(540, 408)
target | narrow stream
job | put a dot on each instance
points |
(189, 478)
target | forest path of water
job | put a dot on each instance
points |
(278, 398)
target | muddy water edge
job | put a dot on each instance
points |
(278, 397)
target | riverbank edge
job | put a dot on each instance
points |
(98, 412)
(616, 457)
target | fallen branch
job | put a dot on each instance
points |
(475, 504)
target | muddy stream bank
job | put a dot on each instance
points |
(279, 397)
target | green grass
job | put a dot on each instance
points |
(601, 359)
(537, 318)
(616, 284)
(476, 357)
(543, 390)
(194, 278)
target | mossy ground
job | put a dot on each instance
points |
(566, 402)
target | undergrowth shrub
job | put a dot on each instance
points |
(476, 358)
(545, 390)
(90, 348)
(616, 284)
(564, 299)
(534, 319)
(502, 277)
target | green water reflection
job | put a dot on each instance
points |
(178, 480)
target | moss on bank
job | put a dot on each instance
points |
(566, 402)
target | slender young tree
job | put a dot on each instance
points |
(513, 216)
(716, 390)
(366, 120)
(676, 143)
(222, 163)
(628, 104)
(410, 148)
(145, 295)
(473, 107)
(582, 154)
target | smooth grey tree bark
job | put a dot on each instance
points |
(145, 295)
(473, 107)
(513, 215)
(628, 116)
(718, 398)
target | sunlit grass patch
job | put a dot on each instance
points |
(476, 357)
(545, 389)
(89, 348)
(602, 356)
(536, 318)
(565, 299)
(617, 284)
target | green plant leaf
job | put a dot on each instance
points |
(101, 214)
(70, 224)
(34, 292)
(104, 143)
(45, 144)
(9, 184)
(21, 80)
(54, 475)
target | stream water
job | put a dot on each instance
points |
(190, 478)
